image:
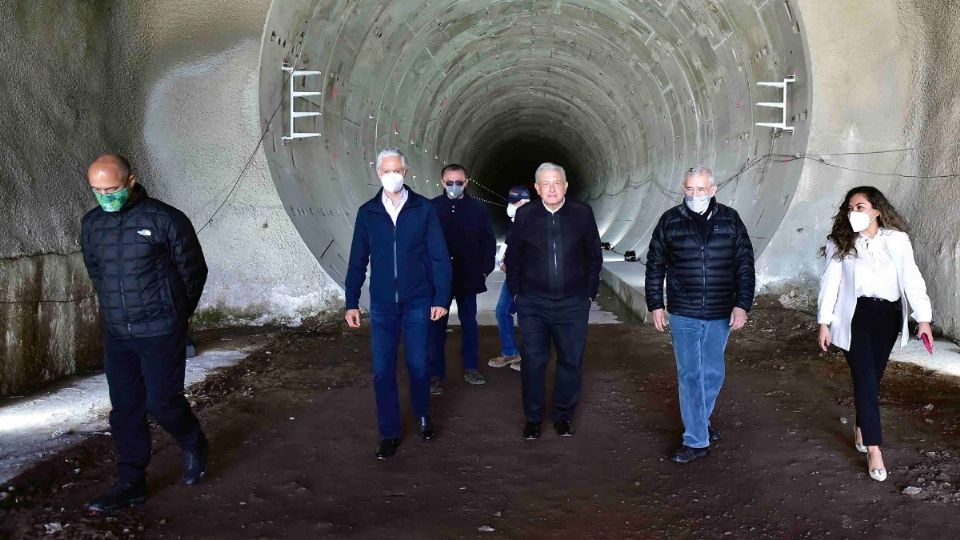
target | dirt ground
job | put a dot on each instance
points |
(293, 433)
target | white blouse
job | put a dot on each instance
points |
(840, 284)
(875, 271)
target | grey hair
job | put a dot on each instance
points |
(391, 151)
(698, 171)
(549, 167)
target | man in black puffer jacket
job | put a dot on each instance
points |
(703, 249)
(146, 264)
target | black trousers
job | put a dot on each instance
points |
(564, 323)
(145, 375)
(873, 333)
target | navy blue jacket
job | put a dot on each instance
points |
(470, 241)
(554, 255)
(146, 264)
(408, 261)
(706, 277)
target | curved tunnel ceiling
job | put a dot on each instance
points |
(625, 95)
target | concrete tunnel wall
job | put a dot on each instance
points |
(625, 95)
(175, 85)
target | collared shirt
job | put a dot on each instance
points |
(558, 208)
(875, 271)
(394, 211)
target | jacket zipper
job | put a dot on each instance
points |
(396, 277)
(123, 300)
(553, 238)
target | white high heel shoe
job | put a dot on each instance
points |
(859, 446)
(877, 474)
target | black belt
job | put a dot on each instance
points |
(879, 301)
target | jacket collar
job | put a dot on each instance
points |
(711, 210)
(138, 194)
(413, 200)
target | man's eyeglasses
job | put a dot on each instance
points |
(450, 183)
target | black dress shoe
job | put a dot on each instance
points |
(564, 428)
(121, 495)
(686, 454)
(195, 463)
(425, 426)
(714, 434)
(387, 448)
(531, 431)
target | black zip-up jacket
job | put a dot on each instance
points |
(554, 255)
(470, 242)
(146, 264)
(706, 277)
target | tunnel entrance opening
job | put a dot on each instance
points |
(513, 162)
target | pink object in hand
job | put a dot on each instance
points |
(926, 343)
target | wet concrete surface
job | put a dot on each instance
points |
(293, 433)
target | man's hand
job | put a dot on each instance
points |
(353, 318)
(825, 337)
(437, 313)
(738, 318)
(503, 267)
(659, 319)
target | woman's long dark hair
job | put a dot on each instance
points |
(842, 233)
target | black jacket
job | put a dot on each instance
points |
(470, 241)
(146, 264)
(554, 255)
(707, 278)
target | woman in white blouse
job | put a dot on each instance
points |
(870, 280)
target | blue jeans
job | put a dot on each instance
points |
(699, 346)
(469, 342)
(387, 322)
(505, 311)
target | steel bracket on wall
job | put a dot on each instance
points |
(782, 104)
(294, 94)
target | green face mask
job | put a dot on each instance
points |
(113, 202)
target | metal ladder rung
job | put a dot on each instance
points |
(302, 114)
(771, 104)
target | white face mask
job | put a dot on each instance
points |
(511, 211)
(859, 221)
(392, 182)
(698, 204)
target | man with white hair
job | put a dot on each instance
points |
(553, 267)
(399, 234)
(703, 249)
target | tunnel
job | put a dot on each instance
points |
(625, 95)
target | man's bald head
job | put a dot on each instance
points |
(109, 173)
